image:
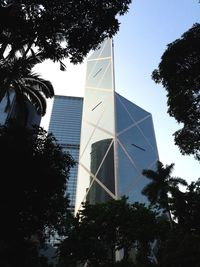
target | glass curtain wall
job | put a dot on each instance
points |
(117, 137)
(96, 164)
(65, 124)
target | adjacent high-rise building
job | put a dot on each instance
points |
(26, 117)
(65, 124)
(117, 137)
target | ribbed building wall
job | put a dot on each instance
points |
(65, 124)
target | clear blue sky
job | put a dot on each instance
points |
(144, 34)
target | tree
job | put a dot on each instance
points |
(186, 208)
(161, 185)
(100, 230)
(33, 201)
(52, 30)
(17, 76)
(180, 249)
(179, 74)
(58, 29)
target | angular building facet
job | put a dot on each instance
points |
(65, 124)
(117, 137)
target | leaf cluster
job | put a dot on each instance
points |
(33, 31)
(59, 29)
(179, 244)
(142, 235)
(179, 74)
(33, 203)
(102, 229)
(17, 76)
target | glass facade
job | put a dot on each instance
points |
(65, 124)
(16, 113)
(117, 137)
(4, 115)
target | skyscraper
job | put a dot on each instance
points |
(26, 117)
(117, 137)
(65, 124)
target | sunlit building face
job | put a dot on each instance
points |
(117, 137)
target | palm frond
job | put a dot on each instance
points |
(42, 84)
(150, 174)
(159, 165)
(24, 94)
(151, 190)
(176, 181)
(17, 73)
(37, 99)
(168, 169)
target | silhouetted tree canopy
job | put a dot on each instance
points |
(100, 230)
(179, 73)
(33, 205)
(32, 31)
(160, 185)
(16, 76)
(58, 29)
(143, 233)
(180, 249)
(179, 245)
(185, 207)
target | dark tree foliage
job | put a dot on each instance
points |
(180, 246)
(160, 185)
(100, 230)
(185, 208)
(179, 73)
(33, 205)
(59, 28)
(16, 76)
(180, 249)
(177, 245)
(32, 31)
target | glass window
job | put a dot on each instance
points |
(138, 148)
(104, 50)
(98, 109)
(105, 172)
(146, 127)
(92, 155)
(123, 119)
(97, 194)
(99, 74)
(127, 172)
(130, 179)
(135, 112)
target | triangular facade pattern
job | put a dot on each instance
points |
(117, 137)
